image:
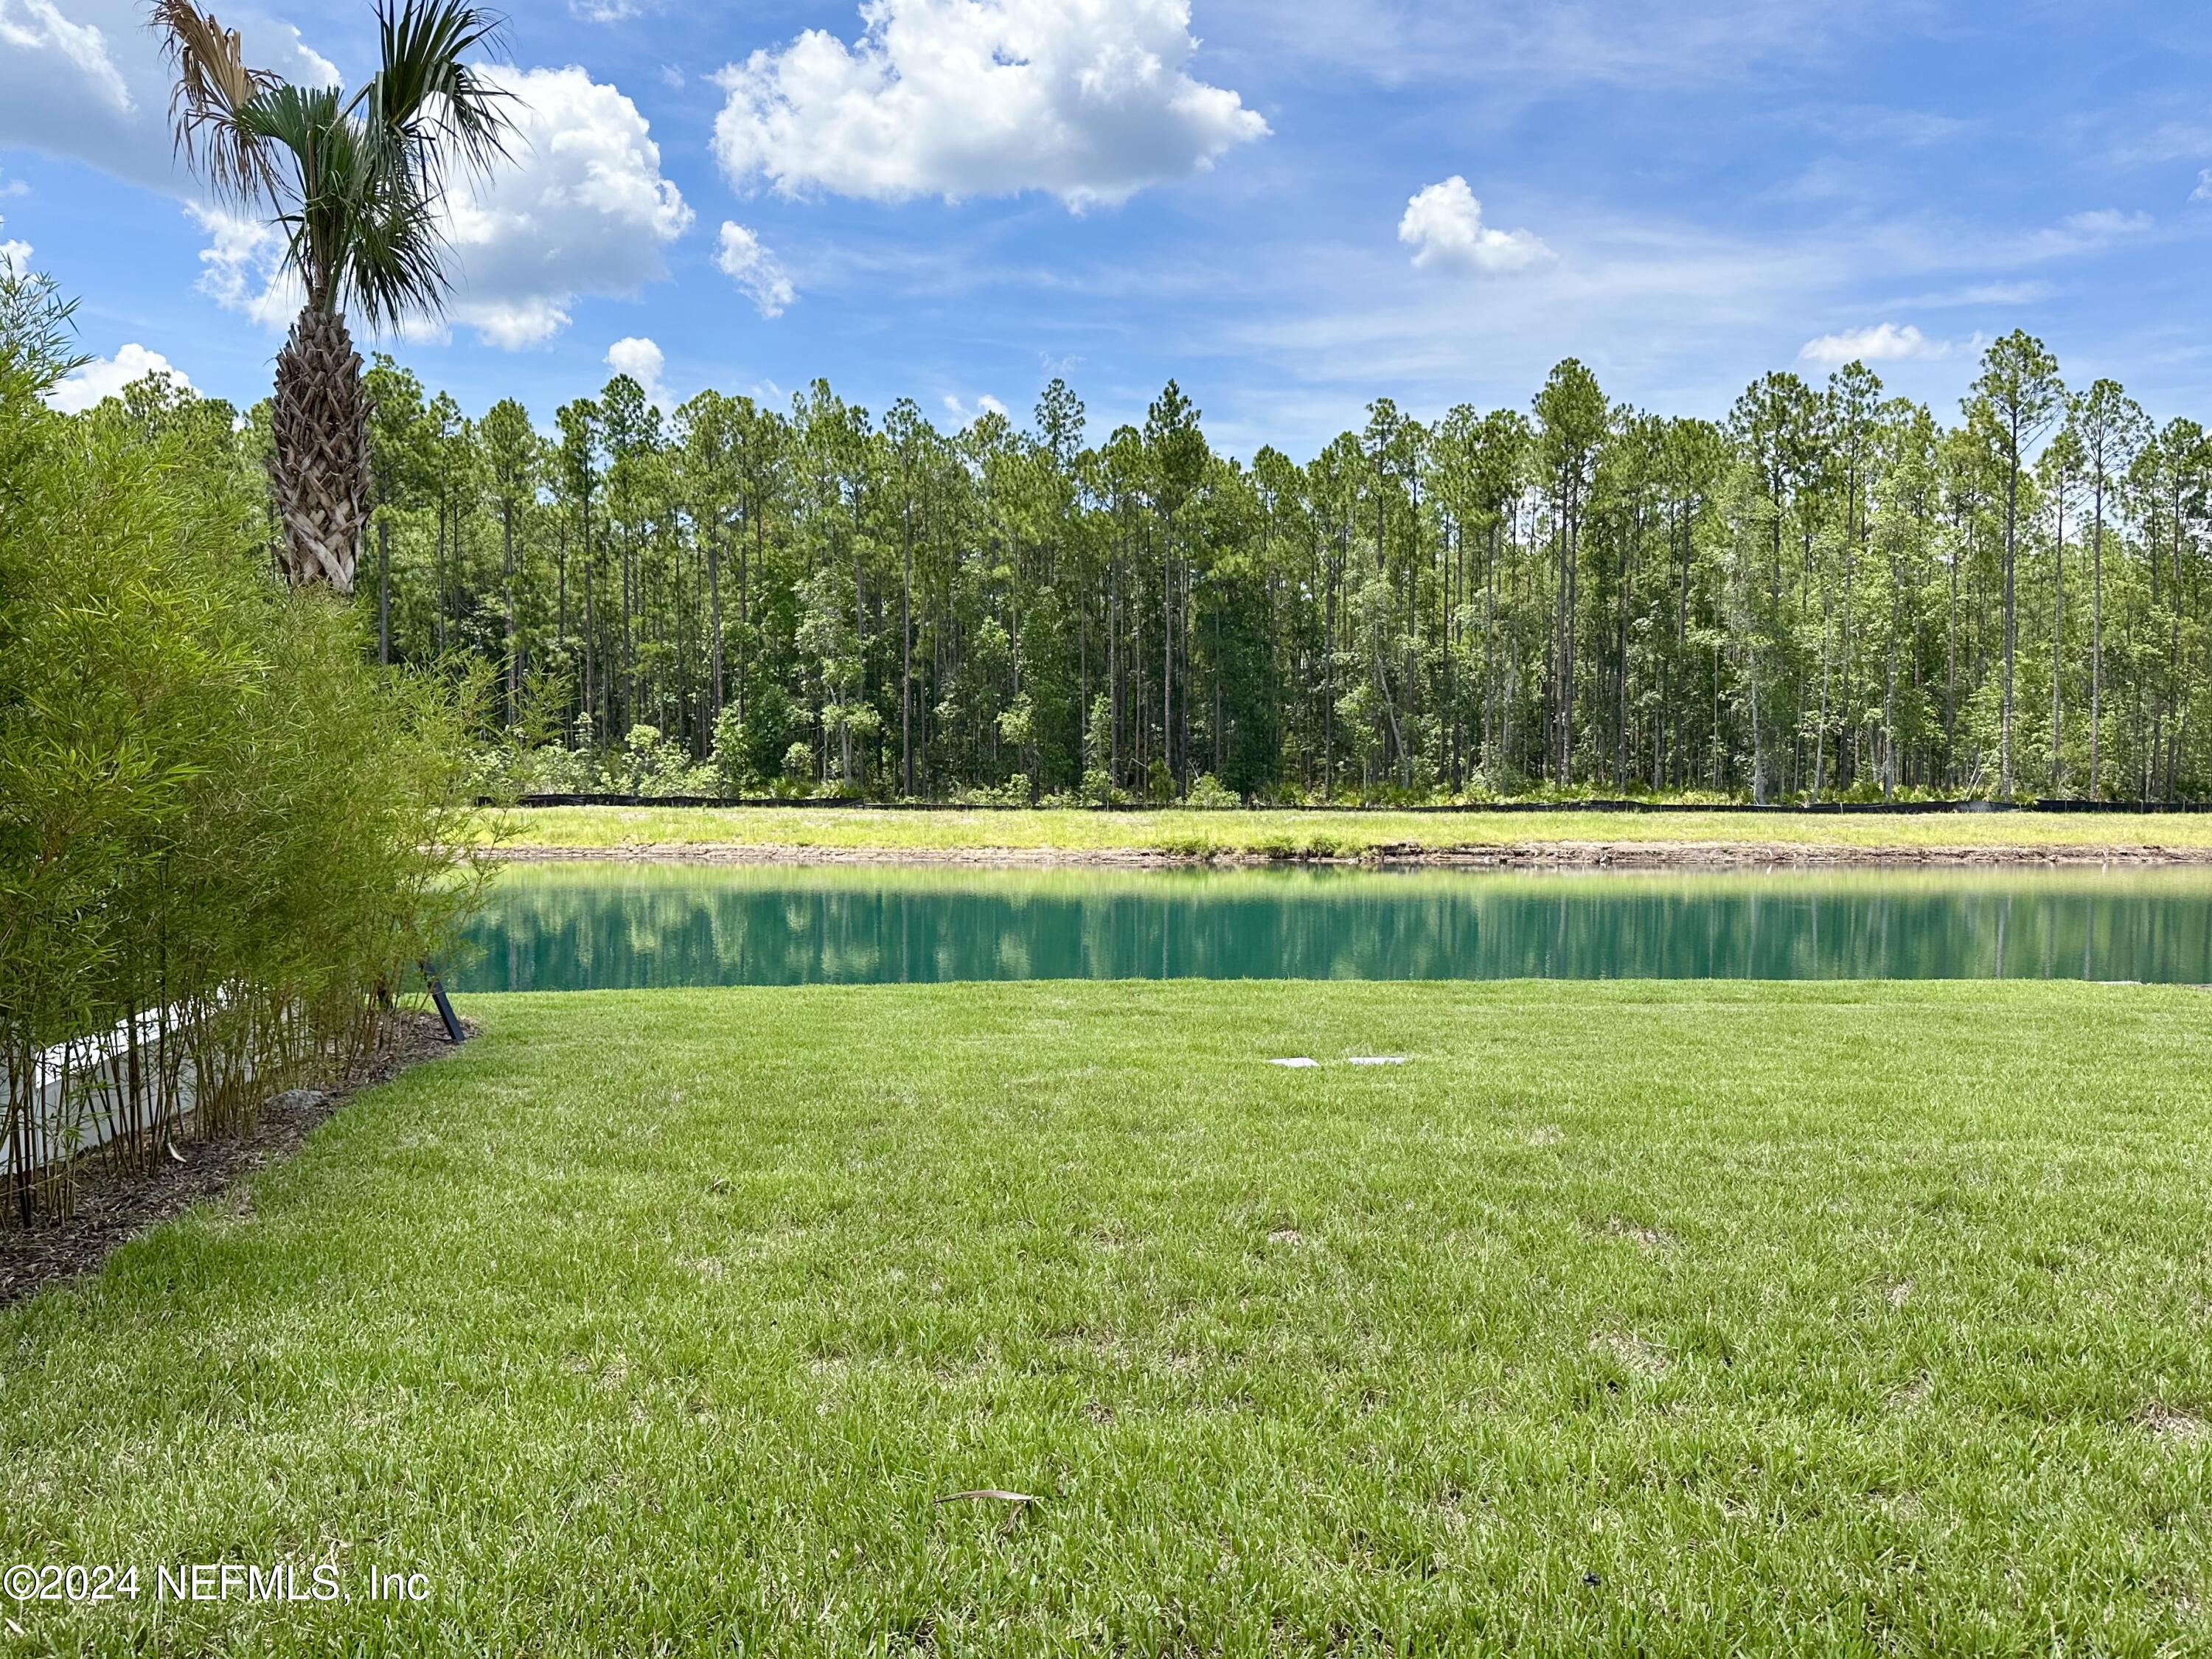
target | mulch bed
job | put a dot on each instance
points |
(113, 1207)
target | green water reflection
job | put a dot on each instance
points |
(586, 926)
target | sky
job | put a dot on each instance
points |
(1292, 207)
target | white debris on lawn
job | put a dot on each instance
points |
(1301, 1061)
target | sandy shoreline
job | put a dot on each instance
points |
(1547, 855)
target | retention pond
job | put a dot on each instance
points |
(579, 926)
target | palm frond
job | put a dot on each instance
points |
(427, 103)
(307, 124)
(213, 84)
(395, 267)
(363, 230)
(357, 182)
(299, 118)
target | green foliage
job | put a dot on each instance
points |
(1209, 795)
(1014, 792)
(214, 812)
(732, 761)
(1831, 595)
(652, 765)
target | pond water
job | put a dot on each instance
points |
(592, 927)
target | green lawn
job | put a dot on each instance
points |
(1325, 834)
(1630, 1317)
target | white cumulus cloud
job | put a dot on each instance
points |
(103, 377)
(582, 210)
(1088, 100)
(2204, 191)
(13, 253)
(306, 66)
(242, 267)
(755, 269)
(643, 362)
(37, 27)
(1443, 224)
(579, 208)
(1884, 343)
(85, 79)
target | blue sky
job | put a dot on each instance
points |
(1292, 206)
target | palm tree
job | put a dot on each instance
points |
(356, 182)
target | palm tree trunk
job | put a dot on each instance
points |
(318, 427)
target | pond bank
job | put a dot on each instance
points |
(1532, 855)
(821, 832)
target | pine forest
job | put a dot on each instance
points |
(1831, 594)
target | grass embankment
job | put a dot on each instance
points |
(1627, 1317)
(1284, 835)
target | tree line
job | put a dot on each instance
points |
(1830, 593)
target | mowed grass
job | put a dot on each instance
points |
(1622, 1318)
(1302, 834)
